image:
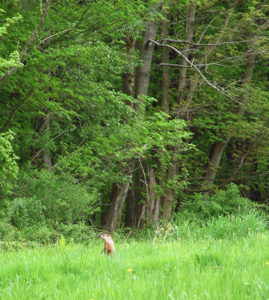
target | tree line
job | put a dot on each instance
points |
(118, 113)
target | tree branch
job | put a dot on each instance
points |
(12, 114)
(204, 45)
(147, 191)
(221, 91)
(209, 64)
(53, 35)
(64, 32)
(29, 43)
(54, 138)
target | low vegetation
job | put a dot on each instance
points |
(177, 269)
(221, 258)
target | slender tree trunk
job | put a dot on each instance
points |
(196, 78)
(130, 209)
(166, 81)
(165, 107)
(168, 200)
(142, 83)
(46, 151)
(189, 35)
(247, 77)
(218, 148)
(128, 78)
(154, 206)
(143, 72)
(167, 205)
(113, 214)
(112, 217)
(150, 209)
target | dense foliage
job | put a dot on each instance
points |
(88, 139)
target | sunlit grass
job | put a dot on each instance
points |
(203, 269)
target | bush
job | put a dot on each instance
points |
(8, 165)
(40, 234)
(61, 199)
(24, 212)
(9, 232)
(223, 203)
(16, 245)
(77, 233)
(48, 206)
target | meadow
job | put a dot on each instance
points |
(205, 268)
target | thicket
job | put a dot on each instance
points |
(63, 209)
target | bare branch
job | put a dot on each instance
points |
(209, 64)
(12, 114)
(205, 45)
(190, 21)
(203, 33)
(54, 138)
(221, 91)
(32, 38)
(53, 35)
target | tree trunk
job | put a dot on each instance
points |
(143, 72)
(166, 82)
(154, 205)
(165, 107)
(128, 78)
(196, 78)
(215, 158)
(46, 151)
(218, 148)
(130, 220)
(168, 199)
(142, 83)
(189, 35)
(150, 209)
(112, 216)
(167, 205)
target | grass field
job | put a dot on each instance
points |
(203, 269)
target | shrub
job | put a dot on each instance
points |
(78, 233)
(40, 234)
(61, 199)
(8, 164)
(223, 203)
(9, 232)
(23, 212)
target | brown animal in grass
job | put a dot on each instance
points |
(108, 244)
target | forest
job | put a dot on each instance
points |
(122, 115)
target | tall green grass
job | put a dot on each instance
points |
(184, 269)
